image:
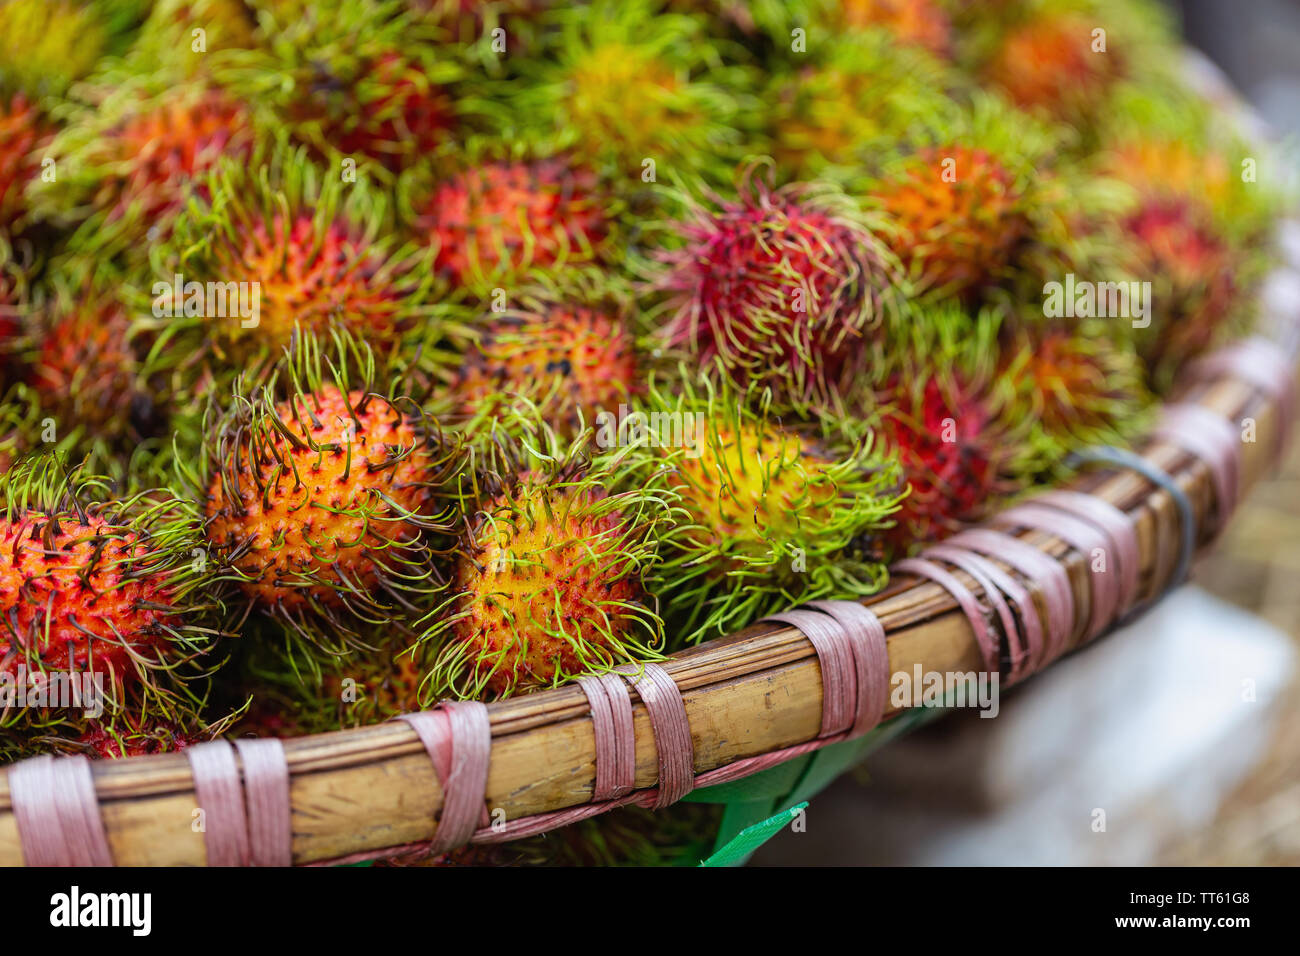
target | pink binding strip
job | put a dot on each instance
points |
(266, 789)
(1084, 538)
(220, 797)
(1211, 438)
(670, 727)
(1116, 526)
(1267, 367)
(458, 738)
(995, 583)
(838, 667)
(611, 722)
(1039, 568)
(870, 651)
(57, 812)
(984, 636)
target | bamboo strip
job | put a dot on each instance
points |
(746, 694)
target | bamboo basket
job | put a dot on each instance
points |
(357, 793)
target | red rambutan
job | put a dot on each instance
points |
(501, 220)
(782, 287)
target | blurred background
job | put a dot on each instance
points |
(1183, 730)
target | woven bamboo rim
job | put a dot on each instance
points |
(355, 792)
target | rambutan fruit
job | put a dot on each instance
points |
(863, 96)
(1078, 387)
(179, 34)
(102, 741)
(924, 23)
(771, 515)
(23, 131)
(118, 591)
(324, 496)
(284, 246)
(503, 221)
(47, 45)
(1050, 62)
(782, 286)
(628, 88)
(133, 160)
(85, 372)
(549, 581)
(945, 418)
(1194, 284)
(364, 81)
(958, 234)
(570, 359)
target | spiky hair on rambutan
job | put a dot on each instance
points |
(47, 45)
(364, 81)
(550, 574)
(1169, 144)
(972, 204)
(850, 103)
(367, 686)
(83, 385)
(1078, 385)
(119, 590)
(25, 129)
(508, 216)
(624, 85)
(1065, 59)
(130, 159)
(284, 245)
(179, 34)
(946, 419)
(1196, 292)
(771, 514)
(326, 495)
(782, 286)
(569, 352)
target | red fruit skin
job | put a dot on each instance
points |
(1178, 251)
(101, 744)
(312, 280)
(162, 150)
(951, 480)
(313, 530)
(22, 131)
(503, 218)
(412, 118)
(85, 370)
(737, 284)
(560, 591)
(66, 602)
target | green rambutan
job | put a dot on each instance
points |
(92, 586)
(47, 45)
(324, 497)
(179, 34)
(301, 250)
(549, 581)
(861, 96)
(771, 515)
(622, 84)
(500, 222)
(782, 287)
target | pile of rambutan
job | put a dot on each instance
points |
(355, 357)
